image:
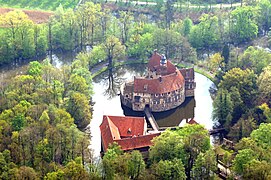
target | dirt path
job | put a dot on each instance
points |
(35, 15)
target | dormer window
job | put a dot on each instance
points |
(145, 87)
(187, 74)
(129, 131)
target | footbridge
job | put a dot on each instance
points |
(151, 119)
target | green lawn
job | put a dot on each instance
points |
(39, 4)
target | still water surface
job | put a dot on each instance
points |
(107, 102)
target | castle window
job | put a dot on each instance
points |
(137, 98)
(187, 74)
(156, 95)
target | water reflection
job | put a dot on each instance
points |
(172, 118)
(114, 77)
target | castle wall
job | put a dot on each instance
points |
(158, 102)
(190, 88)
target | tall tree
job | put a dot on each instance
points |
(126, 21)
(243, 26)
(205, 35)
(79, 108)
(114, 50)
(255, 59)
(166, 169)
(223, 108)
(264, 81)
(244, 81)
(264, 15)
(205, 165)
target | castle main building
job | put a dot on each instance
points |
(164, 87)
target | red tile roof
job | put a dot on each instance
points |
(125, 123)
(154, 64)
(137, 142)
(161, 85)
(127, 131)
(188, 73)
(192, 121)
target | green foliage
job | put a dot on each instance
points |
(117, 164)
(114, 50)
(79, 108)
(187, 25)
(18, 122)
(205, 164)
(97, 55)
(225, 54)
(75, 171)
(258, 170)
(255, 59)
(34, 68)
(216, 63)
(262, 135)
(205, 35)
(136, 164)
(223, 108)
(38, 131)
(243, 26)
(59, 175)
(241, 159)
(253, 159)
(242, 128)
(244, 81)
(141, 45)
(185, 143)
(264, 15)
(18, 37)
(44, 4)
(265, 86)
(266, 111)
(166, 169)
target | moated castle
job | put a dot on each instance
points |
(164, 87)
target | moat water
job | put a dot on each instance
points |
(107, 102)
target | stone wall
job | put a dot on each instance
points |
(158, 102)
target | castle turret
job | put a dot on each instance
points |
(163, 61)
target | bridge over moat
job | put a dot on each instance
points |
(151, 119)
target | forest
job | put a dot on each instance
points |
(45, 111)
